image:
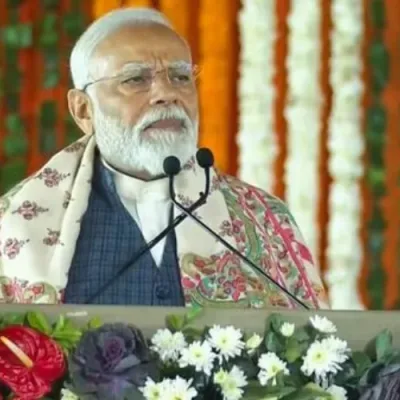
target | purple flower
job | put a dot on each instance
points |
(387, 386)
(110, 361)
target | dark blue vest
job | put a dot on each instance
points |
(109, 239)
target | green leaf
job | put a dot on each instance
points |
(73, 24)
(193, 313)
(311, 391)
(293, 350)
(18, 36)
(254, 391)
(274, 343)
(361, 361)
(14, 124)
(51, 79)
(49, 3)
(11, 173)
(380, 346)
(12, 319)
(301, 334)
(378, 13)
(192, 333)
(384, 344)
(60, 324)
(38, 321)
(274, 322)
(175, 322)
(95, 323)
(15, 145)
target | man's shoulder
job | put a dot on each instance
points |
(254, 194)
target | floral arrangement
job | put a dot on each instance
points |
(346, 144)
(257, 141)
(40, 360)
(304, 103)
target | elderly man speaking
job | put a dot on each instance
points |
(67, 231)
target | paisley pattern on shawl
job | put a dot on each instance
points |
(40, 222)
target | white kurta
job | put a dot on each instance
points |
(148, 203)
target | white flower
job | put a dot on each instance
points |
(337, 392)
(153, 390)
(323, 324)
(227, 341)
(179, 389)
(198, 355)
(270, 365)
(168, 345)
(325, 357)
(231, 383)
(66, 394)
(253, 342)
(287, 329)
(339, 347)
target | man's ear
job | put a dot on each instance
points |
(81, 110)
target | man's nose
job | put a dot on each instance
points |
(162, 91)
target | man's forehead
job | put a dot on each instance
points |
(165, 48)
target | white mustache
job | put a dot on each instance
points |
(160, 114)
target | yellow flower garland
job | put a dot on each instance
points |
(218, 51)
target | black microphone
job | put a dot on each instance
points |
(206, 160)
(172, 167)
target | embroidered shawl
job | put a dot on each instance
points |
(40, 223)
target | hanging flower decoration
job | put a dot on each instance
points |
(346, 147)
(256, 138)
(303, 115)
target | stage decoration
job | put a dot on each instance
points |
(304, 104)
(35, 76)
(16, 38)
(217, 50)
(346, 148)
(256, 139)
(182, 361)
(376, 132)
(179, 13)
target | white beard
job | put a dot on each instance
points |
(128, 150)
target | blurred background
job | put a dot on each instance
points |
(298, 97)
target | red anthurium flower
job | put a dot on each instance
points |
(29, 362)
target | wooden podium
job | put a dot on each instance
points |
(356, 327)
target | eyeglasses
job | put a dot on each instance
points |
(140, 79)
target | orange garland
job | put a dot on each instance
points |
(178, 12)
(101, 7)
(391, 101)
(137, 3)
(281, 48)
(218, 79)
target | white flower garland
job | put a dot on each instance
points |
(303, 115)
(346, 147)
(256, 137)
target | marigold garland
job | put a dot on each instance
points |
(178, 12)
(217, 79)
(101, 7)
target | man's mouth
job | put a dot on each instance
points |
(167, 124)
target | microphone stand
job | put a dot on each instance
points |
(188, 212)
(144, 249)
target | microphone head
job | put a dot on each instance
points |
(205, 158)
(172, 166)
